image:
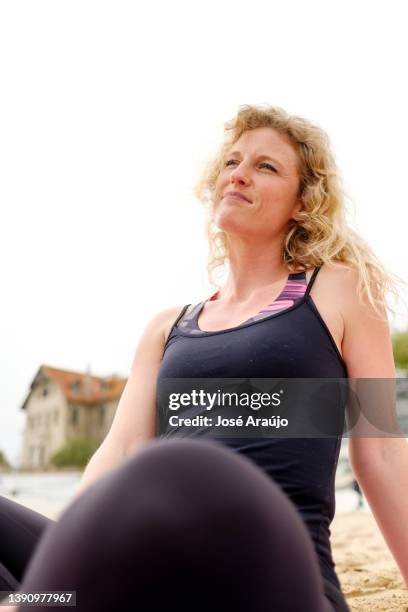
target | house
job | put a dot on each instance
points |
(62, 405)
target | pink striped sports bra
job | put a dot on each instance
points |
(293, 291)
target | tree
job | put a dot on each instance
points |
(4, 464)
(400, 349)
(76, 453)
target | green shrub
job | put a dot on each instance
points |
(400, 349)
(76, 453)
(4, 464)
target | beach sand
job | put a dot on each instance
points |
(368, 574)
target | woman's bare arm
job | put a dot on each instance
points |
(135, 418)
(379, 463)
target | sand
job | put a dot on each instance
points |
(368, 574)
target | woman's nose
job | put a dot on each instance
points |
(238, 176)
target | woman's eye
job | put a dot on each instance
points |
(230, 162)
(269, 166)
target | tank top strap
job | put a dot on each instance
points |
(312, 280)
(180, 316)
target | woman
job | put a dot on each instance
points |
(235, 523)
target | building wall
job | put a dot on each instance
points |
(90, 421)
(51, 422)
(45, 427)
(100, 418)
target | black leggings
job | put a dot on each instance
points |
(181, 525)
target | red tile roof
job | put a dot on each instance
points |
(80, 388)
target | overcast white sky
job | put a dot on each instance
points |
(107, 111)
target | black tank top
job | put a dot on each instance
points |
(288, 339)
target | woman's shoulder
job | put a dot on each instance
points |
(333, 290)
(342, 275)
(366, 343)
(338, 282)
(333, 280)
(169, 316)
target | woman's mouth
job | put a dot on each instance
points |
(236, 195)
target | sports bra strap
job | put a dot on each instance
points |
(183, 310)
(312, 279)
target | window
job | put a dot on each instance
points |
(74, 416)
(102, 412)
(45, 392)
(76, 386)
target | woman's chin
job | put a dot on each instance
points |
(232, 229)
(231, 223)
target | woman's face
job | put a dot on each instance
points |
(262, 166)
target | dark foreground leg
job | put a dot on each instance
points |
(20, 532)
(182, 525)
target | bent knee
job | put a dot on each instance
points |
(194, 469)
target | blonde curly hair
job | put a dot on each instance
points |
(320, 233)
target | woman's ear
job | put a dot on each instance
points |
(296, 209)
